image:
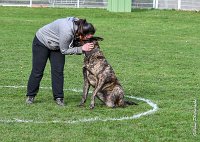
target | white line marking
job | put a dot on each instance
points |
(95, 119)
(195, 118)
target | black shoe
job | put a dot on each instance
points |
(30, 100)
(60, 101)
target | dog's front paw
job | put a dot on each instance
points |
(91, 106)
(81, 104)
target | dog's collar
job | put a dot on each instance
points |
(89, 53)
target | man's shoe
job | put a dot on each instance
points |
(30, 99)
(60, 101)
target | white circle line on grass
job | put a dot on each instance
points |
(94, 119)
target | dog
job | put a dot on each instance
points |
(99, 74)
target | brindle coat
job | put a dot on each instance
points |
(98, 73)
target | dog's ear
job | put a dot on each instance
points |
(92, 40)
(99, 38)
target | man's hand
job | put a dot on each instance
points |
(88, 47)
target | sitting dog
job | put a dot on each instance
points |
(98, 73)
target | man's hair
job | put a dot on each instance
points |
(84, 27)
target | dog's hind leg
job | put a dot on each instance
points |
(110, 101)
(86, 87)
(101, 97)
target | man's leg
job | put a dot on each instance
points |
(40, 55)
(57, 60)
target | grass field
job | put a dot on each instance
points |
(155, 54)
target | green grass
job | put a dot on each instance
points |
(155, 54)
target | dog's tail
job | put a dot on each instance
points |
(130, 103)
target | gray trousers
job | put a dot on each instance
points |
(40, 55)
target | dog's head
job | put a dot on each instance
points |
(78, 42)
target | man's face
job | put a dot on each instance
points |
(87, 36)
